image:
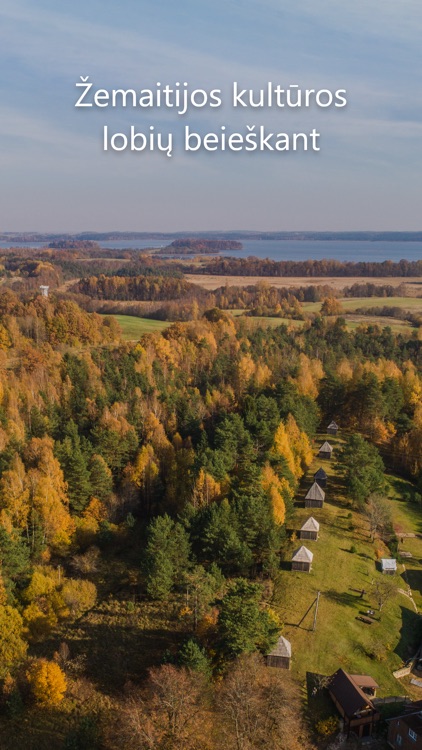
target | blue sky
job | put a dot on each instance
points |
(55, 176)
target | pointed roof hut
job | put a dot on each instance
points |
(320, 476)
(315, 496)
(325, 450)
(281, 654)
(309, 529)
(302, 559)
(332, 428)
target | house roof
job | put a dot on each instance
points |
(388, 563)
(350, 697)
(364, 681)
(303, 554)
(310, 525)
(315, 492)
(320, 474)
(326, 447)
(332, 426)
(283, 647)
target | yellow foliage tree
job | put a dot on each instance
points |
(12, 646)
(206, 490)
(14, 496)
(331, 306)
(273, 486)
(310, 373)
(48, 683)
(48, 491)
(281, 448)
(292, 445)
(300, 445)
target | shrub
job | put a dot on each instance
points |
(325, 727)
(353, 549)
(78, 596)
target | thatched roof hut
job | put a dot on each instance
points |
(310, 529)
(332, 428)
(281, 654)
(325, 450)
(320, 476)
(315, 496)
(302, 559)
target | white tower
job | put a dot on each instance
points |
(44, 290)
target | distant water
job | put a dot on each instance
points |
(353, 250)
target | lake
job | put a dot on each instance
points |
(351, 250)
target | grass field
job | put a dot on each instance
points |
(411, 304)
(341, 640)
(413, 284)
(397, 326)
(352, 321)
(133, 328)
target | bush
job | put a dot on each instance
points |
(325, 727)
(353, 549)
(79, 596)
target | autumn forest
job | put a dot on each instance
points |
(148, 488)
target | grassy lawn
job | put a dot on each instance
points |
(262, 321)
(396, 325)
(133, 328)
(274, 322)
(413, 304)
(340, 640)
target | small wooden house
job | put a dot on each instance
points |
(309, 529)
(332, 428)
(302, 560)
(315, 497)
(281, 654)
(389, 566)
(320, 476)
(359, 714)
(325, 451)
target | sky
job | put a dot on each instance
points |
(56, 177)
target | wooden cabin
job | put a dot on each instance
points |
(302, 560)
(325, 451)
(281, 654)
(388, 566)
(332, 428)
(315, 497)
(356, 708)
(309, 530)
(405, 731)
(320, 476)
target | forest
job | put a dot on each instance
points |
(147, 496)
(308, 268)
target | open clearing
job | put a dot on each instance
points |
(410, 304)
(413, 285)
(133, 328)
(352, 321)
(340, 640)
